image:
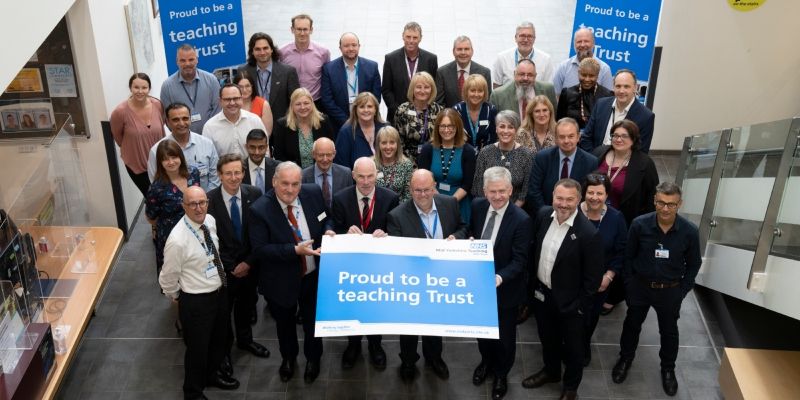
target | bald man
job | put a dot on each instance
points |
(567, 71)
(330, 177)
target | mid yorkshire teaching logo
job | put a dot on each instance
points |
(479, 248)
(746, 5)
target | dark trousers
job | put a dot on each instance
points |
(592, 317)
(616, 291)
(242, 298)
(499, 353)
(205, 320)
(373, 340)
(667, 303)
(562, 337)
(431, 348)
(142, 181)
(286, 327)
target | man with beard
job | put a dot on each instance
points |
(275, 81)
(567, 72)
(516, 95)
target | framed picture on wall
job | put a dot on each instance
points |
(139, 34)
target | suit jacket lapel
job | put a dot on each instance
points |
(503, 229)
(566, 245)
(224, 223)
(414, 219)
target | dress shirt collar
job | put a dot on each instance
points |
(654, 223)
(295, 203)
(253, 165)
(227, 197)
(571, 157)
(318, 172)
(191, 81)
(500, 211)
(626, 109)
(570, 221)
(360, 196)
(465, 69)
(269, 68)
(293, 47)
(422, 213)
(194, 225)
(346, 65)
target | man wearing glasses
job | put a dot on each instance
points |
(662, 259)
(228, 129)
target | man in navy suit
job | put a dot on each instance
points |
(363, 209)
(622, 106)
(565, 160)
(566, 268)
(285, 234)
(230, 204)
(495, 218)
(330, 177)
(400, 65)
(346, 77)
(451, 76)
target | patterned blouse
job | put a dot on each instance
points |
(415, 127)
(396, 177)
(527, 139)
(519, 161)
(306, 143)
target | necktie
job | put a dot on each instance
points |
(565, 168)
(236, 219)
(297, 238)
(217, 261)
(365, 213)
(260, 179)
(487, 232)
(326, 189)
(460, 82)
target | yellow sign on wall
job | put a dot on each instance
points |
(28, 80)
(746, 5)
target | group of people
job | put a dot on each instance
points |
(239, 201)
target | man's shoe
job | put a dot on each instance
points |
(669, 382)
(479, 376)
(407, 372)
(620, 370)
(350, 355)
(439, 367)
(255, 348)
(539, 379)
(499, 387)
(226, 367)
(377, 356)
(223, 382)
(569, 395)
(287, 369)
(312, 371)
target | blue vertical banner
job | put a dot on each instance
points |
(213, 27)
(624, 32)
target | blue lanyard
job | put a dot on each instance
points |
(354, 86)
(191, 99)
(473, 128)
(296, 218)
(202, 242)
(430, 234)
(263, 88)
(516, 57)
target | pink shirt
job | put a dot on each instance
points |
(308, 64)
(135, 137)
(617, 185)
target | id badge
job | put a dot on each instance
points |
(419, 149)
(538, 295)
(483, 123)
(352, 99)
(202, 168)
(444, 186)
(411, 113)
(196, 117)
(662, 253)
(211, 271)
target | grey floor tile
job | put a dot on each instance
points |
(345, 390)
(100, 395)
(265, 396)
(173, 395)
(159, 378)
(160, 352)
(105, 377)
(266, 379)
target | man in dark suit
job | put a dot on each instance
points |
(274, 81)
(362, 209)
(515, 95)
(230, 204)
(285, 234)
(565, 160)
(622, 106)
(258, 168)
(566, 268)
(433, 216)
(495, 218)
(330, 177)
(400, 65)
(346, 77)
(451, 76)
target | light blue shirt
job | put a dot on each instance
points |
(263, 80)
(205, 102)
(428, 219)
(318, 177)
(561, 157)
(199, 153)
(567, 75)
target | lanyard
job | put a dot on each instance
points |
(354, 86)
(262, 87)
(583, 100)
(297, 219)
(202, 242)
(367, 217)
(475, 127)
(516, 57)
(423, 134)
(430, 233)
(619, 169)
(410, 70)
(191, 99)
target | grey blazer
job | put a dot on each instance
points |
(284, 81)
(342, 178)
(447, 93)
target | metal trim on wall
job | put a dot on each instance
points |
(707, 222)
(683, 163)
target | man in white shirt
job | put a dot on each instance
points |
(503, 68)
(229, 128)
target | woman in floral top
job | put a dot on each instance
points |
(538, 125)
(414, 118)
(394, 169)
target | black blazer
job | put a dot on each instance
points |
(231, 250)
(447, 93)
(570, 99)
(578, 268)
(404, 220)
(284, 82)
(273, 243)
(395, 77)
(347, 209)
(545, 172)
(286, 142)
(639, 189)
(511, 248)
(595, 130)
(269, 171)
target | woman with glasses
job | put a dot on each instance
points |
(252, 102)
(165, 196)
(611, 224)
(538, 125)
(296, 132)
(414, 118)
(633, 178)
(451, 159)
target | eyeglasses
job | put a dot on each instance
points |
(422, 192)
(444, 127)
(197, 204)
(230, 99)
(670, 206)
(229, 174)
(623, 136)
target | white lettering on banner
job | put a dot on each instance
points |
(378, 295)
(450, 298)
(204, 30)
(613, 33)
(387, 279)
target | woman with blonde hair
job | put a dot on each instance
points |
(356, 138)
(295, 133)
(394, 169)
(414, 118)
(477, 114)
(538, 126)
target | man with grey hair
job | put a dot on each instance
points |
(566, 74)
(451, 76)
(497, 219)
(525, 36)
(517, 94)
(192, 86)
(400, 65)
(329, 176)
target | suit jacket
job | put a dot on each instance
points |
(286, 142)
(578, 267)
(511, 248)
(395, 76)
(486, 134)
(334, 97)
(546, 171)
(342, 178)
(505, 97)
(447, 93)
(269, 171)
(231, 250)
(284, 82)
(273, 243)
(639, 189)
(347, 207)
(404, 220)
(595, 131)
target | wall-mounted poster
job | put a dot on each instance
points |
(26, 116)
(61, 80)
(28, 80)
(138, 15)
